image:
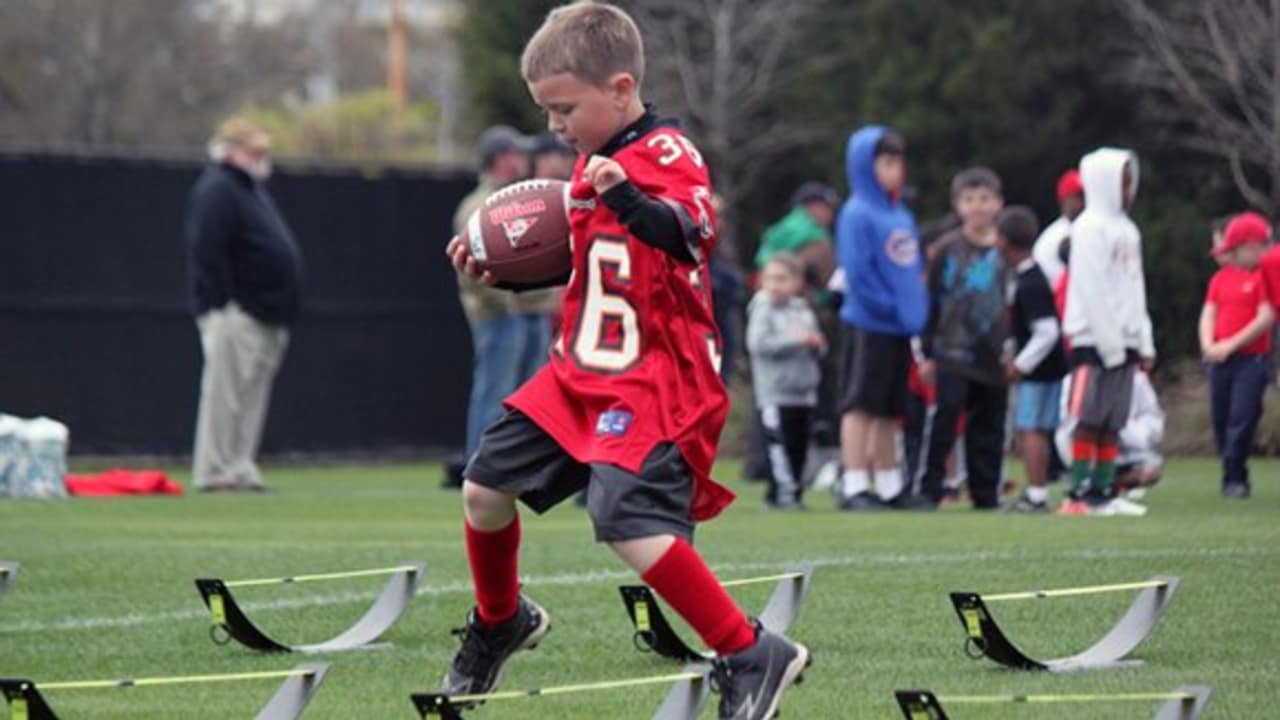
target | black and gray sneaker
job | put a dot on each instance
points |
(751, 682)
(1236, 491)
(485, 650)
(1025, 504)
(861, 502)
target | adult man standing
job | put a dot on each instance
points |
(498, 325)
(244, 268)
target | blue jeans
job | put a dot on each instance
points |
(509, 349)
(1235, 390)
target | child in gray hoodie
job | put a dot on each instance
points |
(785, 343)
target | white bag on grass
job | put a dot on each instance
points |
(33, 457)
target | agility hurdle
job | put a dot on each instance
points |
(1184, 703)
(653, 633)
(27, 703)
(230, 621)
(683, 702)
(983, 637)
(8, 574)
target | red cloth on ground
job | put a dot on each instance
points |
(682, 579)
(122, 482)
(493, 557)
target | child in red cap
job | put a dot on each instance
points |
(1047, 251)
(1235, 340)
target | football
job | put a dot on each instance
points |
(521, 232)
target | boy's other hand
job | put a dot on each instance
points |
(1011, 372)
(1148, 364)
(1215, 353)
(460, 255)
(928, 372)
(603, 173)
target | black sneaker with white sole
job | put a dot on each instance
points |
(861, 502)
(1025, 504)
(751, 682)
(477, 667)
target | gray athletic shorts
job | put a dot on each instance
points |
(519, 458)
(1100, 397)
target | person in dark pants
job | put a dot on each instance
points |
(785, 344)
(1235, 340)
(963, 344)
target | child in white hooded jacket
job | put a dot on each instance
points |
(1107, 326)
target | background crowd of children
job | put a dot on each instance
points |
(982, 332)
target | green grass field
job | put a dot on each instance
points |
(106, 590)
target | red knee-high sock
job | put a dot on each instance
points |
(492, 555)
(686, 583)
(1083, 454)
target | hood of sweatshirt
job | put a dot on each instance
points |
(859, 164)
(1102, 173)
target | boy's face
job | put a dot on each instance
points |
(1071, 206)
(779, 282)
(978, 207)
(1004, 247)
(891, 172)
(1248, 255)
(821, 213)
(583, 115)
(1127, 191)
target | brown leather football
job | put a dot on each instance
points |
(521, 232)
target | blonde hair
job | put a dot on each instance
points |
(589, 40)
(787, 260)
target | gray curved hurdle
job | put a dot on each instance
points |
(1183, 703)
(689, 691)
(8, 574)
(381, 615)
(983, 633)
(654, 633)
(26, 702)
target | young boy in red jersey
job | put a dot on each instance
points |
(630, 405)
(1235, 340)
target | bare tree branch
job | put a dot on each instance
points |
(1210, 74)
(725, 65)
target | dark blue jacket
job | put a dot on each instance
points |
(879, 249)
(239, 248)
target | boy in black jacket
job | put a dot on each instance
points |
(1039, 362)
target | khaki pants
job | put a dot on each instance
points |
(241, 356)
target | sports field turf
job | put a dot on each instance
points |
(106, 590)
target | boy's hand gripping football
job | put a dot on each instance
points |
(460, 255)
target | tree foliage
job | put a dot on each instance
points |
(1211, 75)
(362, 128)
(492, 36)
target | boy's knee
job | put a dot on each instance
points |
(485, 506)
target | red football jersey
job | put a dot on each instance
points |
(636, 360)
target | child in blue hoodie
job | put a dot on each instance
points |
(886, 305)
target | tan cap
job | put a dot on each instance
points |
(239, 132)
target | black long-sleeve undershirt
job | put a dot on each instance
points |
(653, 221)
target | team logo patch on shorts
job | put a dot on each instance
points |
(902, 248)
(614, 423)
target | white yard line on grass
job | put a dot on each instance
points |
(596, 576)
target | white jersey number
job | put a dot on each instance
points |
(673, 148)
(590, 347)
